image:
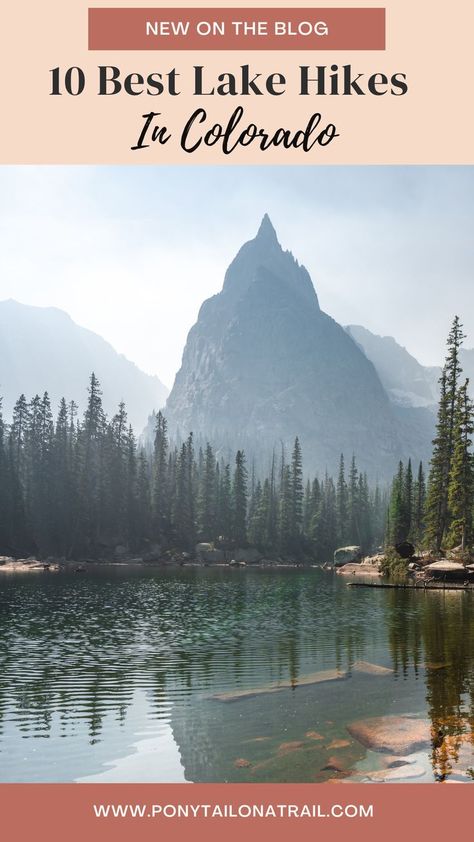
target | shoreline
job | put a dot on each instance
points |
(55, 566)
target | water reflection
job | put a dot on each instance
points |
(438, 635)
(96, 669)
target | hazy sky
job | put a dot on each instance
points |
(131, 252)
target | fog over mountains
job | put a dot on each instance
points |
(264, 363)
(42, 349)
(406, 381)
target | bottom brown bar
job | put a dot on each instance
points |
(118, 812)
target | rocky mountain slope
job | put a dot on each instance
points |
(407, 382)
(264, 363)
(42, 349)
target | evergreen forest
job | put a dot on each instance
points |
(77, 488)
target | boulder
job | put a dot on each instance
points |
(358, 569)
(375, 560)
(346, 555)
(414, 566)
(399, 735)
(204, 547)
(445, 569)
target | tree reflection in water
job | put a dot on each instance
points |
(435, 631)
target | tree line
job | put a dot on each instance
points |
(77, 487)
(439, 515)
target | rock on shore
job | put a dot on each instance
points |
(25, 565)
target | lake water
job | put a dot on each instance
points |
(112, 675)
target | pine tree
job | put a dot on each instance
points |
(94, 417)
(407, 500)
(18, 434)
(184, 515)
(365, 515)
(286, 511)
(239, 500)
(207, 510)
(324, 525)
(397, 518)
(307, 514)
(419, 499)
(272, 507)
(297, 494)
(341, 504)
(225, 505)
(256, 531)
(141, 523)
(353, 503)
(5, 490)
(91, 477)
(161, 479)
(439, 474)
(116, 469)
(45, 529)
(437, 504)
(461, 481)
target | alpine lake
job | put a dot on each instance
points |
(206, 674)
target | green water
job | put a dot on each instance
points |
(110, 675)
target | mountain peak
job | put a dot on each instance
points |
(266, 230)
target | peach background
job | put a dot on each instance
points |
(432, 124)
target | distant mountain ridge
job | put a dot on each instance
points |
(407, 382)
(43, 349)
(264, 363)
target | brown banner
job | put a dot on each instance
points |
(121, 812)
(236, 29)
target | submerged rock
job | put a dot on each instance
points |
(335, 765)
(302, 681)
(313, 735)
(399, 773)
(392, 734)
(241, 763)
(371, 669)
(286, 748)
(338, 744)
